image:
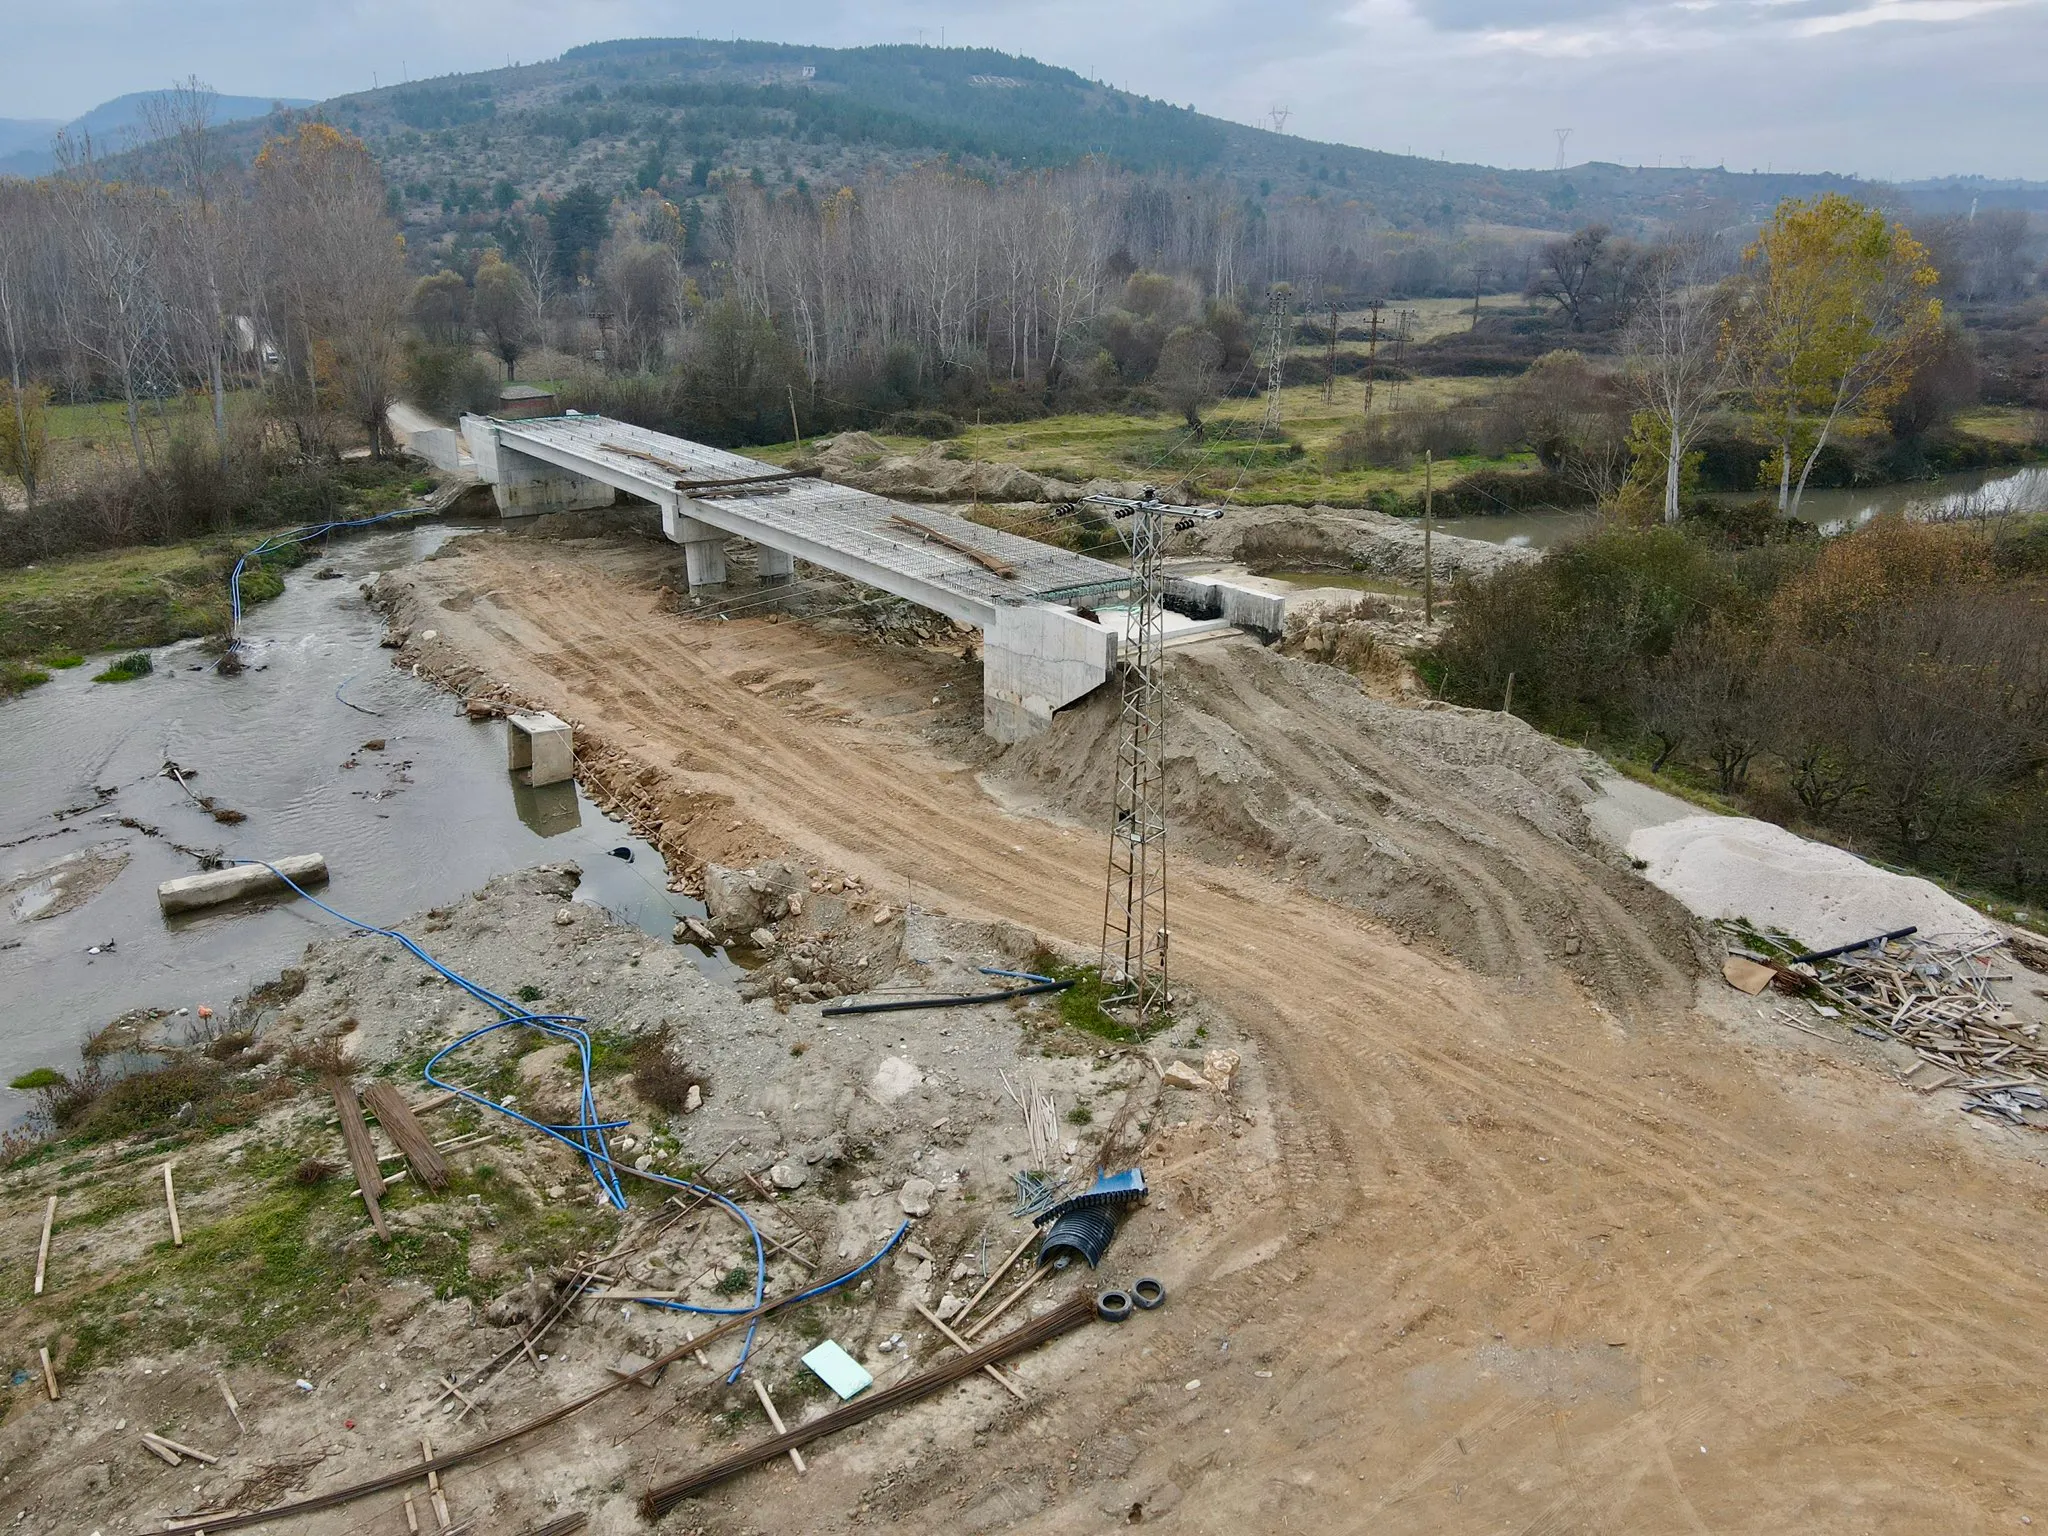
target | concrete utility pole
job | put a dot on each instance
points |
(1134, 931)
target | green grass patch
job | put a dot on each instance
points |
(1081, 1005)
(63, 661)
(19, 677)
(127, 669)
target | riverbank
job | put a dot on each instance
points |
(826, 1134)
(142, 596)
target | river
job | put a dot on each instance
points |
(419, 823)
(1981, 493)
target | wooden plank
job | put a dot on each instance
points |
(171, 1202)
(362, 1155)
(796, 1456)
(980, 557)
(228, 1396)
(49, 1374)
(159, 1450)
(966, 1348)
(184, 1450)
(396, 1116)
(43, 1251)
(434, 1486)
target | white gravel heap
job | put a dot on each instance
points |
(1736, 867)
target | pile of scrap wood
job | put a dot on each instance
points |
(1939, 1002)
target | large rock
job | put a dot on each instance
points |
(738, 901)
(916, 1197)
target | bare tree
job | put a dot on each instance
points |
(180, 122)
(1678, 369)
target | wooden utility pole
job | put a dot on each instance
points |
(1372, 354)
(1478, 277)
(1330, 361)
(1428, 532)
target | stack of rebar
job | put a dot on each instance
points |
(1065, 1318)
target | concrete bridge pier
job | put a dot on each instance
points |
(526, 486)
(703, 552)
(1037, 658)
(774, 564)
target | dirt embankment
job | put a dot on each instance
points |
(1541, 1253)
(1330, 539)
(1450, 825)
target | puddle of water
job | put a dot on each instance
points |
(424, 821)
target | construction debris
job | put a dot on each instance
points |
(1937, 1000)
(1065, 1318)
(362, 1156)
(838, 1370)
(396, 1116)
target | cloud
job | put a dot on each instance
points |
(1797, 84)
(1880, 12)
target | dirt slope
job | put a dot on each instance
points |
(1533, 1257)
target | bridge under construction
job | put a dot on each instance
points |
(1043, 646)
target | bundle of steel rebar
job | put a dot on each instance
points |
(1065, 1318)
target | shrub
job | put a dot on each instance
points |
(659, 1078)
(127, 669)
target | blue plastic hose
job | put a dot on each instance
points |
(586, 1136)
(296, 536)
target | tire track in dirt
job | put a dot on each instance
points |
(1770, 1305)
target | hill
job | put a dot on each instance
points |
(671, 112)
(25, 144)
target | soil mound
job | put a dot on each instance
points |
(1457, 825)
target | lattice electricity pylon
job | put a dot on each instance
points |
(1278, 302)
(1134, 931)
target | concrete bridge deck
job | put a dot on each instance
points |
(1038, 653)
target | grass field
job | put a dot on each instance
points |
(1229, 460)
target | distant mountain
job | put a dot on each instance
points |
(671, 113)
(1960, 194)
(19, 133)
(25, 144)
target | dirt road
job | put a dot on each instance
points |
(1546, 1250)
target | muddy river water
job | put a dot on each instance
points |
(419, 823)
(1978, 493)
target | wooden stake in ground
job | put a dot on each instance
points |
(171, 1201)
(768, 1407)
(990, 1371)
(234, 1408)
(43, 1252)
(412, 1519)
(434, 1488)
(1428, 528)
(49, 1374)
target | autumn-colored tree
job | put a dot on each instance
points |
(1831, 313)
(504, 311)
(336, 268)
(24, 434)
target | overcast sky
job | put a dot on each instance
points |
(1882, 88)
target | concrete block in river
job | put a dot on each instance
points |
(189, 893)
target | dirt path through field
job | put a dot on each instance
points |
(1529, 1261)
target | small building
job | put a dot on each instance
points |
(524, 402)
